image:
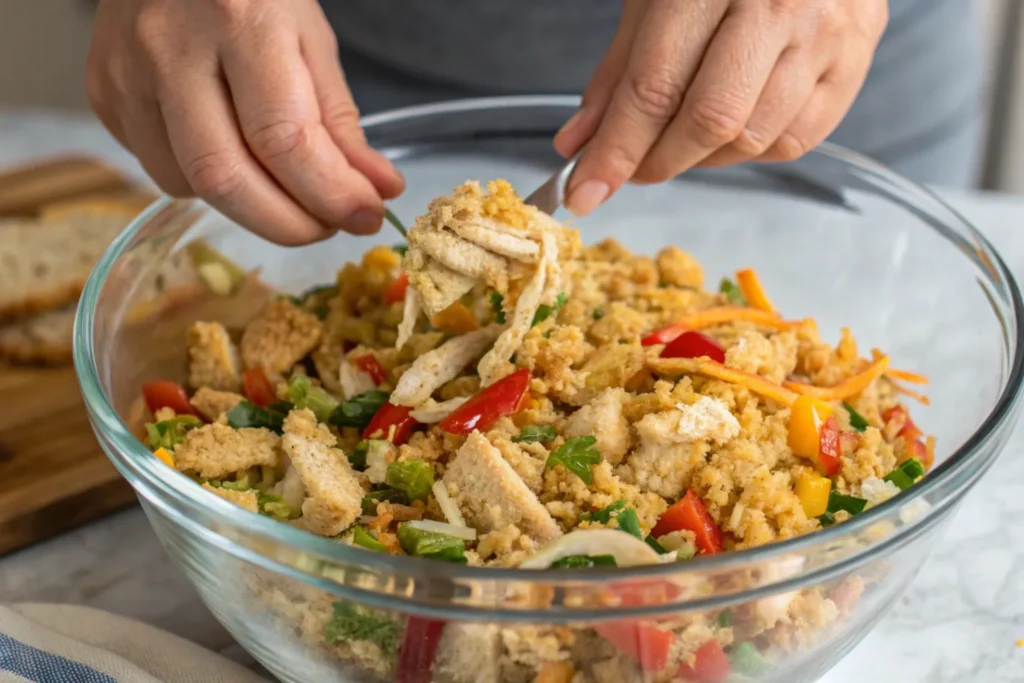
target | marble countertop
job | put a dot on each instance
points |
(960, 621)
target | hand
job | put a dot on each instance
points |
(243, 103)
(716, 82)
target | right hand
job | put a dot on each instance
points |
(243, 103)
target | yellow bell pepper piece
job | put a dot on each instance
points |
(456, 319)
(806, 416)
(164, 456)
(381, 258)
(813, 491)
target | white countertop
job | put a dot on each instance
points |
(959, 621)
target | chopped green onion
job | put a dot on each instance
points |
(352, 624)
(400, 249)
(249, 415)
(415, 477)
(687, 551)
(363, 539)
(906, 474)
(357, 458)
(535, 434)
(576, 455)
(393, 220)
(544, 311)
(585, 562)
(747, 661)
(304, 394)
(653, 542)
(499, 313)
(272, 506)
(598, 313)
(430, 544)
(372, 499)
(625, 518)
(852, 504)
(359, 410)
(725, 618)
(732, 292)
(169, 433)
(857, 421)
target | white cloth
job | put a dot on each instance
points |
(70, 644)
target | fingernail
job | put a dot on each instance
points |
(364, 222)
(571, 123)
(587, 197)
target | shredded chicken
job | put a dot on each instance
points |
(435, 368)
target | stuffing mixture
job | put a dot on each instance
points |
(494, 393)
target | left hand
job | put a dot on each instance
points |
(716, 82)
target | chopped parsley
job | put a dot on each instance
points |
(857, 421)
(576, 455)
(430, 544)
(351, 623)
(169, 433)
(625, 518)
(536, 434)
(414, 477)
(598, 313)
(499, 312)
(248, 414)
(544, 311)
(732, 292)
(725, 618)
(359, 410)
(585, 562)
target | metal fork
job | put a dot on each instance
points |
(551, 195)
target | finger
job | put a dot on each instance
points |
(825, 109)
(146, 136)
(279, 116)
(211, 152)
(666, 51)
(339, 113)
(581, 126)
(788, 89)
(723, 95)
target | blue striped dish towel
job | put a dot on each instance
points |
(69, 644)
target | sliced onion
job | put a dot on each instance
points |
(353, 380)
(448, 506)
(628, 550)
(432, 412)
(292, 489)
(463, 532)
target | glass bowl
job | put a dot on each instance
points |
(834, 236)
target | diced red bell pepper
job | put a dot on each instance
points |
(689, 513)
(663, 336)
(502, 398)
(636, 593)
(917, 450)
(645, 643)
(909, 430)
(163, 393)
(694, 345)
(387, 416)
(395, 291)
(710, 666)
(372, 367)
(419, 646)
(258, 388)
(828, 447)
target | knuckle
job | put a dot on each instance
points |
(618, 161)
(716, 120)
(279, 138)
(231, 11)
(790, 147)
(750, 143)
(655, 94)
(214, 175)
(654, 171)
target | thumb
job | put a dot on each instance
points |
(583, 124)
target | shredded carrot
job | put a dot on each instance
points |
(719, 315)
(906, 376)
(851, 386)
(705, 366)
(910, 393)
(753, 291)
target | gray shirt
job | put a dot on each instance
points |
(920, 110)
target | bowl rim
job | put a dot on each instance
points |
(137, 460)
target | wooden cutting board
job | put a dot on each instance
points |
(53, 474)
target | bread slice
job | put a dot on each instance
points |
(43, 338)
(45, 262)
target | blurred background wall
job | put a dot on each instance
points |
(43, 44)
